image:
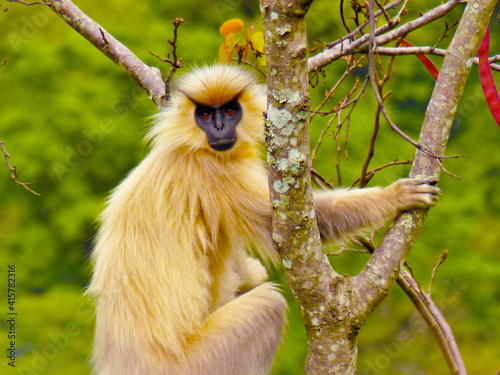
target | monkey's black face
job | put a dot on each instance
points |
(219, 123)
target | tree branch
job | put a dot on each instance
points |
(13, 170)
(149, 78)
(435, 320)
(383, 267)
(348, 47)
(431, 314)
(399, 51)
(175, 62)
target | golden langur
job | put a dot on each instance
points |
(176, 291)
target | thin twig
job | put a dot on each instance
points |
(175, 62)
(371, 173)
(435, 321)
(431, 314)
(320, 180)
(352, 34)
(399, 51)
(349, 69)
(341, 124)
(22, 2)
(339, 150)
(342, 16)
(373, 80)
(442, 258)
(254, 66)
(337, 110)
(320, 140)
(106, 43)
(384, 12)
(343, 249)
(447, 28)
(348, 46)
(371, 148)
(13, 171)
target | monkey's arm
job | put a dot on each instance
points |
(341, 213)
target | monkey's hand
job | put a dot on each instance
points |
(409, 193)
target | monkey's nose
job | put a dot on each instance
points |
(218, 121)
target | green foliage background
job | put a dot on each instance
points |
(73, 122)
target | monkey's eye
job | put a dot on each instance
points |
(205, 116)
(230, 112)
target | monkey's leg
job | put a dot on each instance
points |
(344, 212)
(240, 338)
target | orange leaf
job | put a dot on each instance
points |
(232, 26)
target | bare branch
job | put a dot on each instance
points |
(373, 79)
(175, 62)
(376, 90)
(371, 148)
(320, 180)
(372, 172)
(442, 258)
(399, 51)
(352, 34)
(435, 130)
(347, 47)
(342, 17)
(25, 3)
(13, 171)
(337, 110)
(149, 78)
(431, 314)
(444, 36)
(349, 69)
(344, 249)
(436, 322)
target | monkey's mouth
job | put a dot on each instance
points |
(223, 144)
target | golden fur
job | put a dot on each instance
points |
(176, 292)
